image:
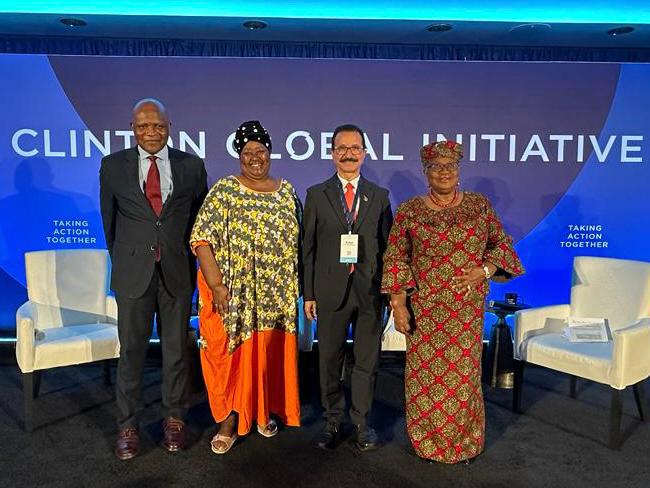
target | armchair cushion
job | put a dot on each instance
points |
(75, 344)
(537, 321)
(590, 360)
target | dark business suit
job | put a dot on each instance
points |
(343, 297)
(143, 286)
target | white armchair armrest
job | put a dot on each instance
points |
(534, 321)
(630, 358)
(26, 319)
(111, 309)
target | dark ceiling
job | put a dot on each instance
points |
(328, 30)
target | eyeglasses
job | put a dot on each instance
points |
(439, 168)
(342, 150)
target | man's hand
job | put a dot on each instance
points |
(310, 309)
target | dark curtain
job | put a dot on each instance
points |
(216, 48)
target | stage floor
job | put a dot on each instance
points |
(556, 442)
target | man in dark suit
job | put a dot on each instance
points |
(346, 224)
(149, 197)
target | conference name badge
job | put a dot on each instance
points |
(349, 248)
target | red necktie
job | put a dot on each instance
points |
(153, 193)
(349, 201)
(152, 186)
(349, 196)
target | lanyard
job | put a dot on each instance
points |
(349, 214)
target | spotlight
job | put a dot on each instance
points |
(72, 22)
(254, 24)
(619, 31)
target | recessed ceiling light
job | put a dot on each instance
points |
(439, 27)
(619, 31)
(531, 27)
(72, 22)
(255, 24)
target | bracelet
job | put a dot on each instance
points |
(486, 270)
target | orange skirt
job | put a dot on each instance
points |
(258, 379)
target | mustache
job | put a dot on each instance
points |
(349, 160)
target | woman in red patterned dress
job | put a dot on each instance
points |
(443, 249)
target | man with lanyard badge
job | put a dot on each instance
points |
(346, 223)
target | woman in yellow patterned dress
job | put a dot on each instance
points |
(246, 237)
(442, 250)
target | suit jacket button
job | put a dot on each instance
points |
(158, 223)
(153, 248)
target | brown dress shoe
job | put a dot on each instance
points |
(128, 443)
(173, 434)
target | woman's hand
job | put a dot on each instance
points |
(402, 318)
(401, 314)
(468, 281)
(220, 298)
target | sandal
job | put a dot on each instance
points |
(226, 441)
(269, 430)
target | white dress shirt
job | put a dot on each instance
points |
(164, 168)
(355, 184)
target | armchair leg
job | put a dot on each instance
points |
(519, 367)
(639, 396)
(107, 372)
(615, 419)
(572, 386)
(29, 380)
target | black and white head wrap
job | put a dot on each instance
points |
(251, 131)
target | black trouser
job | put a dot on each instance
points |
(364, 312)
(135, 323)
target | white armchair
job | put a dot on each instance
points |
(615, 289)
(69, 318)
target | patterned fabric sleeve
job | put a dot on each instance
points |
(210, 222)
(500, 250)
(397, 276)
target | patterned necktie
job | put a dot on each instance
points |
(349, 201)
(152, 186)
(153, 193)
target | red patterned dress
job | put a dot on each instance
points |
(445, 414)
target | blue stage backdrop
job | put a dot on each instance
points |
(559, 148)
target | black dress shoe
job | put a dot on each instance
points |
(128, 444)
(173, 434)
(329, 436)
(366, 439)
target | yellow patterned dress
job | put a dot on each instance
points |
(445, 413)
(249, 357)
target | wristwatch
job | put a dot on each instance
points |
(486, 270)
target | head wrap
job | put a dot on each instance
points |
(251, 131)
(441, 149)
